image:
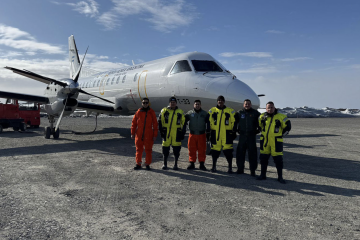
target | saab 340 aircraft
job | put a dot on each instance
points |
(187, 76)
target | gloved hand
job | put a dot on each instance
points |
(233, 135)
(182, 136)
(163, 133)
(285, 133)
(208, 136)
(258, 131)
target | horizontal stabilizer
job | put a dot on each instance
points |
(36, 76)
(95, 107)
(24, 97)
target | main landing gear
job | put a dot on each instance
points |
(50, 130)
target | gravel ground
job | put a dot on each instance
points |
(84, 187)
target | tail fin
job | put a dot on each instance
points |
(73, 57)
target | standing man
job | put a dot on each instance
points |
(172, 129)
(248, 127)
(144, 129)
(274, 126)
(197, 137)
(221, 130)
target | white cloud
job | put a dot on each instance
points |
(9, 36)
(89, 8)
(109, 20)
(274, 31)
(295, 59)
(248, 54)
(176, 49)
(256, 70)
(163, 15)
(344, 60)
(355, 66)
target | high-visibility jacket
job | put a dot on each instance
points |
(172, 126)
(144, 124)
(272, 129)
(223, 127)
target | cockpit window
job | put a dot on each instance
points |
(181, 66)
(206, 66)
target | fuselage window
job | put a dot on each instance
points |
(181, 66)
(206, 66)
(124, 78)
(107, 82)
(113, 81)
(118, 79)
(135, 77)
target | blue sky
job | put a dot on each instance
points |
(298, 53)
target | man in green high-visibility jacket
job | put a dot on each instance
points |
(274, 126)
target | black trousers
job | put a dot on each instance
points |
(246, 142)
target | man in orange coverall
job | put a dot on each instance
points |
(144, 129)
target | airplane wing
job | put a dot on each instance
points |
(95, 107)
(36, 76)
(24, 97)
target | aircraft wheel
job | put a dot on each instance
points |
(23, 127)
(56, 133)
(47, 132)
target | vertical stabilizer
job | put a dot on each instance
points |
(73, 57)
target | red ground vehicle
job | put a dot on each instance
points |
(10, 117)
(31, 114)
(18, 117)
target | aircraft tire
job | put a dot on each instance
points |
(47, 132)
(23, 127)
(56, 134)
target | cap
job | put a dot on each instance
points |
(172, 99)
(220, 98)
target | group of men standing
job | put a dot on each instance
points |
(219, 126)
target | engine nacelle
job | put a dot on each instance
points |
(57, 107)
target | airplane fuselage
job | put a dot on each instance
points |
(187, 76)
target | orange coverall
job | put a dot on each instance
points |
(145, 127)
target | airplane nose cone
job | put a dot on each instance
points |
(238, 91)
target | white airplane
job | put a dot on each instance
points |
(187, 76)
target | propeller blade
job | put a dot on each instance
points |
(76, 77)
(82, 91)
(59, 120)
(36, 76)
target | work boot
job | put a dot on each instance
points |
(263, 173)
(175, 165)
(261, 177)
(240, 171)
(202, 166)
(191, 166)
(148, 167)
(281, 180)
(164, 167)
(137, 167)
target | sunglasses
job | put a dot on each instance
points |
(145, 102)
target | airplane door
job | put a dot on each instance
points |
(142, 84)
(102, 85)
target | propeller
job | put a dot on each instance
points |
(59, 120)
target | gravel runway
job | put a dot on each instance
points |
(84, 187)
